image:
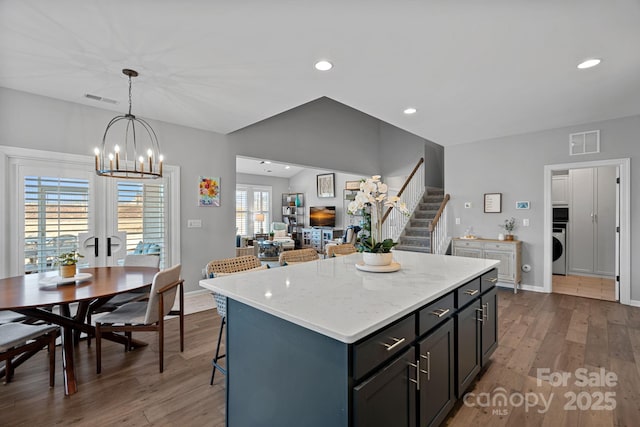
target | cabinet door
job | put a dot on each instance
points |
(489, 322)
(506, 269)
(388, 398)
(581, 221)
(468, 344)
(467, 252)
(560, 190)
(605, 221)
(437, 391)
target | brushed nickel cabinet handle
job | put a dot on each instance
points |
(428, 371)
(417, 380)
(471, 292)
(440, 312)
(481, 318)
(485, 316)
(492, 279)
(398, 341)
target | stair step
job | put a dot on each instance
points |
(429, 206)
(434, 191)
(414, 240)
(424, 215)
(409, 248)
(416, 231)
(433, 199)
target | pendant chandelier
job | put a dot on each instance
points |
(133, 152)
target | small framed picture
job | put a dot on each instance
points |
(326, 185)
(352, 185)
(492, 202)
(208, 191)
(522, 205)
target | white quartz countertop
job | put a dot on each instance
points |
(335, 299)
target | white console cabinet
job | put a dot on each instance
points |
(508, 252)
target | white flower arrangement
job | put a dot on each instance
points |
(374, 193)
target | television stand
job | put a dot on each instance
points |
(315, 237)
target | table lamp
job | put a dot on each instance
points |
(260, 217)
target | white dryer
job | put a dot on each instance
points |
(559, 242)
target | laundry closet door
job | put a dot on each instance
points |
(605, 221)
(581, 230)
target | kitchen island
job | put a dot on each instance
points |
(324, 344)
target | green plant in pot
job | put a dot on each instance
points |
(509, 225)
(271, 235)
(67, 263)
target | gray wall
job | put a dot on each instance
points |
(322, 134)
(305, 182)
(32, 121)
(514, 166)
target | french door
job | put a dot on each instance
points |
(63, 206)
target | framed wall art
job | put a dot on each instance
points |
(352, 185)
(492, 202)
(209, 191)
(326, 185)
(522, 205)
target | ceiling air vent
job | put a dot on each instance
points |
(100, 98)
(584, 142)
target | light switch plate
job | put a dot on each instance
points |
(194, 223)
(457, 221)
(525, 222)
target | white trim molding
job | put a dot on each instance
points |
(624, 168)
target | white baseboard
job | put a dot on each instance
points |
(634, 303)
(522, 287)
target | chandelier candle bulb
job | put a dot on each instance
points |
(160, 159)
(117, 150)
(111, 162)
(141, 159)
(150, 154)
(97, 153)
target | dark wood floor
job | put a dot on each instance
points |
(558, 332)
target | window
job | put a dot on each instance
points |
(141, 216)
(56, 203)
(250, 201)
(55, 210)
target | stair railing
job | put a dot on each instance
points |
(438, 232)
(411, 192)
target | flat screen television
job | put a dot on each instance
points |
(322, 216)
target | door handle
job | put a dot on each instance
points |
(96, 248)
(108, 246)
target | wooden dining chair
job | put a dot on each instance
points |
(19, 341)
(102, 306)
(146, 315)
(223, 267)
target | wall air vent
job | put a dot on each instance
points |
(584, 142)
(100, 98)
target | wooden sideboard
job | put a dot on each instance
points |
(508, 252)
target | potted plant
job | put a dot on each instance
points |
(67, 262)
(509, 225)
(373, 195)
(271, 235)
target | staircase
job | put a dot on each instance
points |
(415, 236)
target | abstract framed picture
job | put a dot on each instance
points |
(326, 185)
(208, 191)
(522, 205)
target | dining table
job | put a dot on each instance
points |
(35, 295)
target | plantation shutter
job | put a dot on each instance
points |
(56, 209)
(242, 211)
(141, 215)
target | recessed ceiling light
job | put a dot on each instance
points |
(323, 65)
(287, 167)
(268, 162)
(410, 111)
(592, 62)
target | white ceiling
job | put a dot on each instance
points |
(473, 69)
(259, 167)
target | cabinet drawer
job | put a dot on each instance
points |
(499, 246)
(488, 280)
(435, 313)
(382, 346)
(468, 292)
(467, 244)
